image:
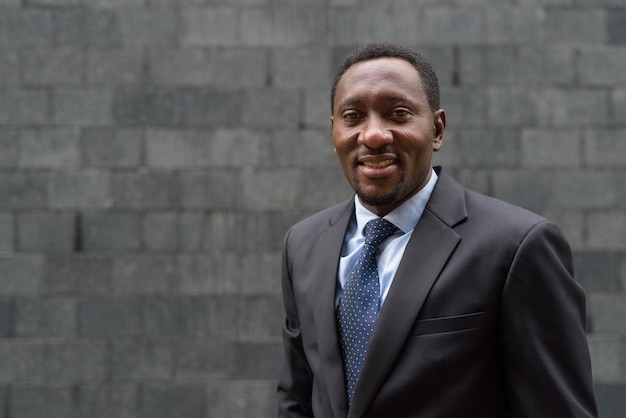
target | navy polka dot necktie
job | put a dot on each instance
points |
(358, 306)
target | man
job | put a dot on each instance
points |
(476, 312)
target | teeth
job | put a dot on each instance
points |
(380, 164)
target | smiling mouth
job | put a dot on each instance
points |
(378, 164)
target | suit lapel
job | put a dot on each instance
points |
(431, 244)
(323, 298)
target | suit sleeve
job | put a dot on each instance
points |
(544, 345)
(295, 383)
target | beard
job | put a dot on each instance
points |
(385, 198)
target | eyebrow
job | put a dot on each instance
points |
(391, 98)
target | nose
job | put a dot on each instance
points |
(375, 133)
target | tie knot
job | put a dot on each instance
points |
(377, 230)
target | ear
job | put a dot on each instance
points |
(439, 129)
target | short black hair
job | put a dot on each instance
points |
(370, 51)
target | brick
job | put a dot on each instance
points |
(9, 68)
(102, 147)
(31, 402)
(235, 68)
(547, 66)
(23, 107)
(215, 189)
(221, 314)
(23, 190)
(85, 189)
(618, 105)
(48, 148)
(79, 275)
(580, 189)
(572, 224)
(174, 149)
(190, 229)
(341, 23)
(261, 273)
(160, 231)
(86, 27)
(605, 147)
(141, 107)
(209, 26)
(316, 108)
(205, 108)
(58, 66)
(259, 360)
(375, 25)
(450, 154)
(146, 189)
(487, 65)
(173, 401)
(605, 357)
(45, 318)
(466, 106)
(77, 361)
(490, 148)
(546, 148)
(172, 318)
(235, 148)
(271, 189)
(557, 107)
(241, 399)
(605, 230)
(260, 316)
(142, 274)
(610, 398)
(301, 67)
(511, 25)
(190, 66)
(21, 361)
(115, 66)
(221, 228)
(21, 275)
(9, 143)
(105, 401)
(204, 274)
(597, 271)
(82, 107)
(105, 231)
(284, 26)
(325, 187)
(608, 312)
(600, 66)
(7, 232)
(149, 27)
(206, 360)
(526, 188)
(615, 26)
(25, 27)
(46, 231)
(141, 360)
(110, 317)
(6, 318)
(445, 25)
(575, 26)
(511, 106)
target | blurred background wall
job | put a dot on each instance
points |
(153, 153)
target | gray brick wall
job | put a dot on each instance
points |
(155, 151)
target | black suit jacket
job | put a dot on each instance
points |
(483, 319)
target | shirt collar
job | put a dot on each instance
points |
(405, 216)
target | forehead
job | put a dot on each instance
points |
(379, 76)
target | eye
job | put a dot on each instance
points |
(400, 113)
(351, 116)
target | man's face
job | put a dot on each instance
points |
(384, 132)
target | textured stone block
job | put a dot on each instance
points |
(82, 107)
(174, 148)
(221, 316)
(241, 399)
(571, 25)
(190, 230)
(215, 189)
(209, 26)
(608, 312)
(606, 230)
(485, 148)
(21, 275)
(616, 26)
(261, 274)
(87, 27)
(146, 189)
(605, 147)
(206, 360)
(79, 275)
(173, 401)
(549, 148)
(33, 402)
(597, 271)
(48, 148)
(468, 105)
(259, 360)
(261, 316)
(54, 66)
(23, 190)
(601, 66)
(487, 65)
(301, 67)
(7, 234)
(137, 107)
(611, 399)
(101, 147)
(77, 361)
(25, 27)
(325, 187)
(6, 315)
(456, 25)
(283, 26)
(79, 189)
(141, 360)
(204, 274)
(271, 189)
(142, 274)
(110, 317)
(23, 107)
(10, 146)
(45, 318)
(512, 25)
(605, 357)
(160, 231)
(44, 231)
(204, 108)
(546, 66)
(316, 109)
(149, 27)
(235, 148)
(580, 189)
(511, 106)
(173, 317)
(235, 68)
(9, 68)
(529, 189)
(105, 231)
(21, 361)
(191, 66)
(114, 66)
(271, 108)
(102, 401)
